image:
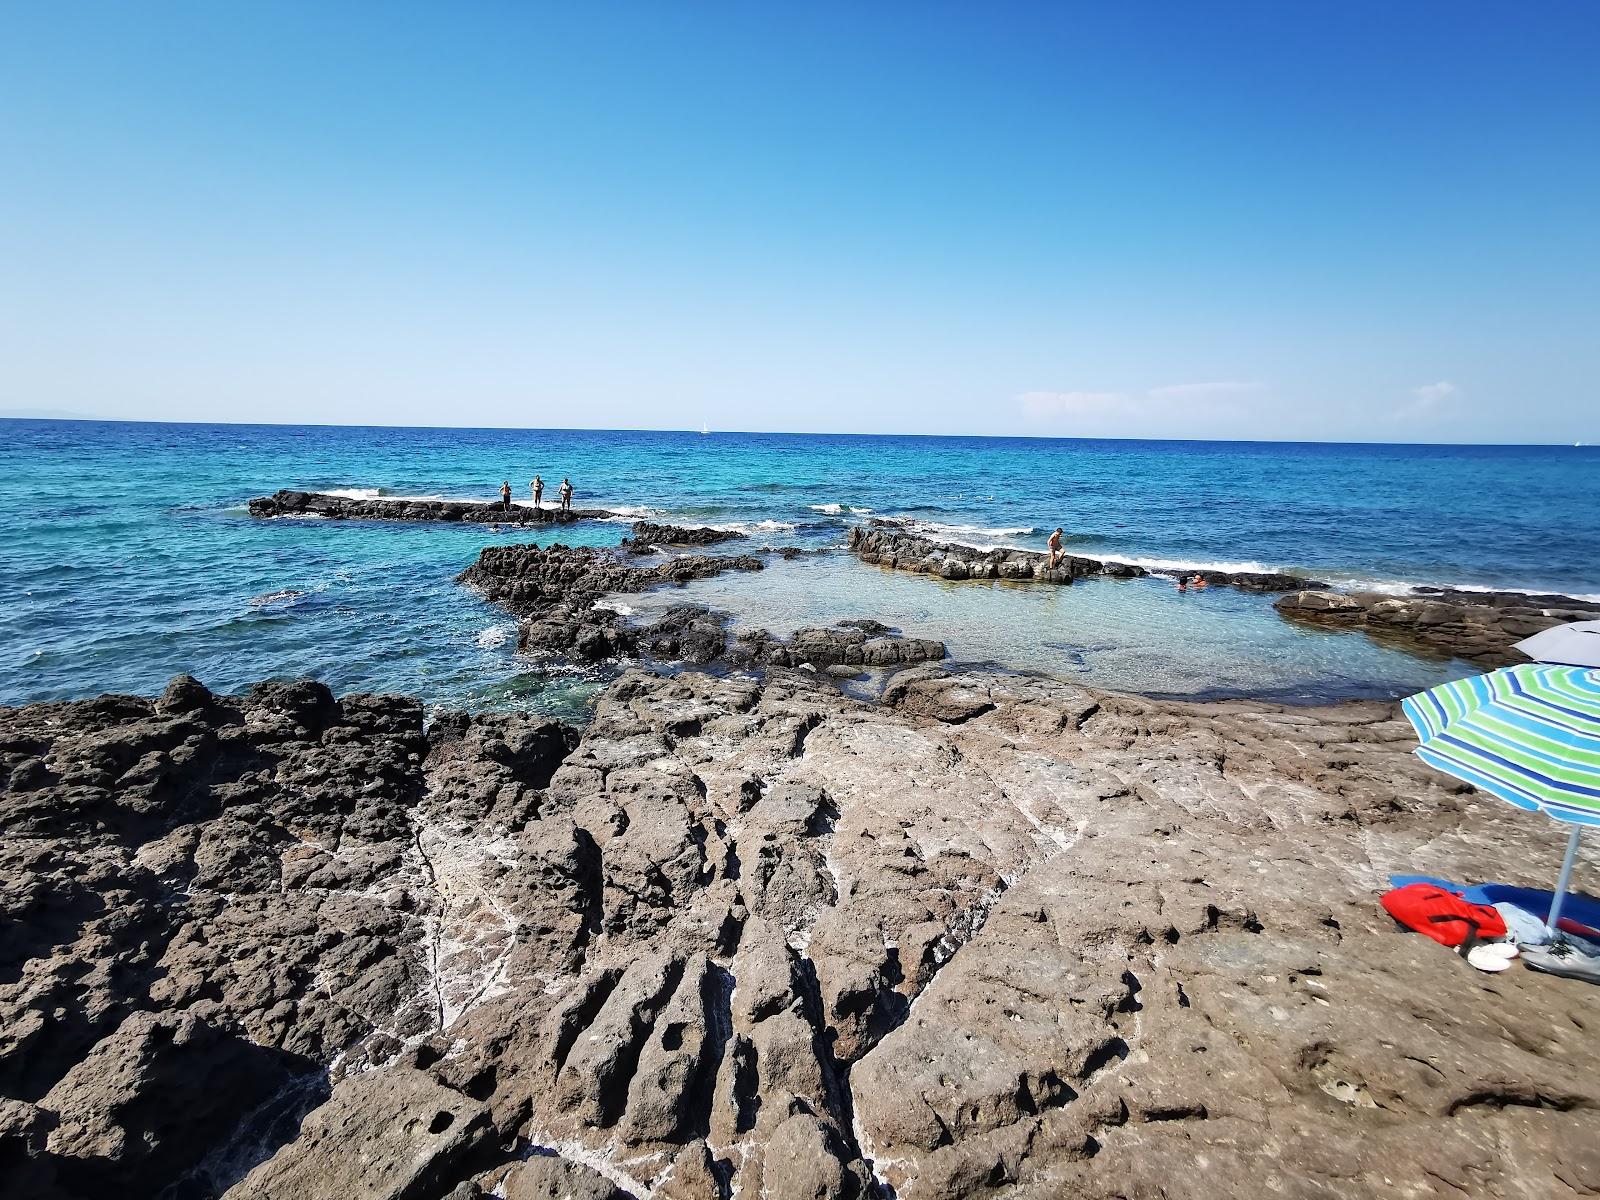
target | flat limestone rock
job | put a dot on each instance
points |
(290, 503)
(1481, 627)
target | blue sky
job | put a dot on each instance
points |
(1362, 221)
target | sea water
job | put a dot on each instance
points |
(127, 553)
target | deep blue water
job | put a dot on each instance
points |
(126, 554)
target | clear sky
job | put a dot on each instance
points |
(1364, 220)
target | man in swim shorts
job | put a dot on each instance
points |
(537, 488)
(505, 495)
(1055, 548)
(566, 493)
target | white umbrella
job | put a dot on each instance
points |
(1574, 645)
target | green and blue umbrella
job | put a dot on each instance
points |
(1529, 734)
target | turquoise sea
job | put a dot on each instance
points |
(126, 553)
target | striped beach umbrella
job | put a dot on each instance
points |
(1529, 734)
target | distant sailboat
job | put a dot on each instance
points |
(705, 429)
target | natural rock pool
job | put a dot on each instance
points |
(1131, 635)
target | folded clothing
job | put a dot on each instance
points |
(1522, 926)
(1442, 915)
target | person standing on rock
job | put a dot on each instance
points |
(1055, 548)
(566, 494)
(505, 495)
(537, 488)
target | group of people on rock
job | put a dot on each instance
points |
(536, 487)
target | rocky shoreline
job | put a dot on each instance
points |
(1480, 627)
(557, 590)
(747, 936)
(290, 503)
(888, 544)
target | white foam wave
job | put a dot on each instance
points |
(957, 531)
(752, 528)
(1401, 587)
(494, 635)
(616, 606)
(834, 510)
(1343, 582)
(380, 493)
(1193, 564)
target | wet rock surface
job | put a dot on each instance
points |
(647, 534)
(888, 544)
(989, 937)
(289, 503)
(556, 590)
(1481, 627)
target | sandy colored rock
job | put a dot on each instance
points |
(990, 937)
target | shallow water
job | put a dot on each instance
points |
(1132, 635)
(126, 554)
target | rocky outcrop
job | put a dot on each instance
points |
(1481, 627)
(994, 937)
(555, 589)
(844, 645)
(212, 908)
(890, 545)
(289, 503)
(647, 535)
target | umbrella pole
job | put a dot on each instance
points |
(1566, 877)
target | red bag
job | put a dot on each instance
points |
(1443, 916)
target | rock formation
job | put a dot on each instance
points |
(992, 937)
(647, 535)
(888, 544)
(1480, 627)
(288, 503)
(556, 589)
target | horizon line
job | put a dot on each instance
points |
(68, 419)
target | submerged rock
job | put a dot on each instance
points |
(991, 937)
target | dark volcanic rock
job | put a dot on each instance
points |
(993, 938)
(887, 544)
(288, 503)
(685, 633)
(646, 535)
(843, 645)
(555, 590)
(1481, 627)
(205, 902)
